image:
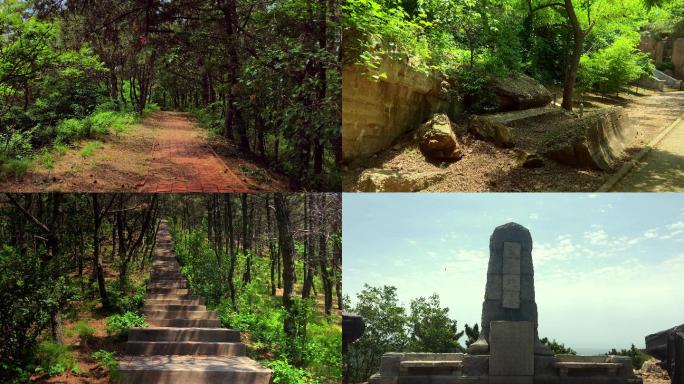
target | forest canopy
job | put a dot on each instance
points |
(264, 75)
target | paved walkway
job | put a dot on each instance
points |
(185, 342)
(184, 162)
(661, 170)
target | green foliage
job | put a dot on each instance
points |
(613, 67)
(83, 330)
(637, 355)
(108, 361)
(557, 348)
(472, 333)
(55, 358)
(311, 356)
(15, 168)
(431, 328)
(427, 327)
(90, 147)
(285, 373)
(118, 325)
(32, 292)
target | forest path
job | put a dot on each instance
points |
(662, 169)
(183, 161)
(166, 152)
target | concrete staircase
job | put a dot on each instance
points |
(185, 342)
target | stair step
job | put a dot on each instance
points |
(184, 334)
(174, 307)
(169, 291)
(185, 323)
(176, 301)
(168, 284)
(156, 296)
(153, 315)
(149, 348)
(192, 370)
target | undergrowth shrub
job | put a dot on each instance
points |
(54, 358)
(117, 325)
(108, 361)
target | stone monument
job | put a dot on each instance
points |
(509, 294)
(508, 350)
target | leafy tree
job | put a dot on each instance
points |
(557, 348)
(472, 333)
(638, 356)
(431, 329)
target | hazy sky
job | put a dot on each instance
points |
(609, 268)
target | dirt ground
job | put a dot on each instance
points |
(166, 152)
(485, 167)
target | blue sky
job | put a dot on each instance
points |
(609, 268)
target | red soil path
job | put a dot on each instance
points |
(184, 162)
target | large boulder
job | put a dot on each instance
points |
(436, 139)
(488, 129)
(594, 141)
(519, 92)
(391, 180)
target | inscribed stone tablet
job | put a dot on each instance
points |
(511, 345)
(511, 258)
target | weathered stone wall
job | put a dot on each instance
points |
(376, 112)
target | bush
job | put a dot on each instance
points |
(117, 325)
(612, 68)
(558, 348)
(284, 373)
(638, 356)
(55, 358)
(70, 130)
(108, 361)
(14, 167)
(83, 330)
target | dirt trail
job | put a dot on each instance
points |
(166, 152)
(184, 162)
(662, 169)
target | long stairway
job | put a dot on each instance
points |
(184, 343)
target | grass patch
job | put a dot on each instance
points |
(90, 147)
(108, 361)
(60, 148)
(54, 358)
(16, 168)
(257, 174)
(45, 158)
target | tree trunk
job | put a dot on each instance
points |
(97, 260)
(286, 245)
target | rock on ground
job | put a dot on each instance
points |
(519, 92)
(595, 141)
(390, 180)
(437, 140)
(490, 130)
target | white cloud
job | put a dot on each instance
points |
(677, 225)
(534, 216)
(651, 233)
(560, 251)
(597, 237)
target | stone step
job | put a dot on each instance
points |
(153, 315)
(168, 284)
(166, 275)
(192, 370)
(150, 348)
(174, 307)
(184, 334)
(161, 296)
(169, 291)
(185, 323)
(176, 301)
